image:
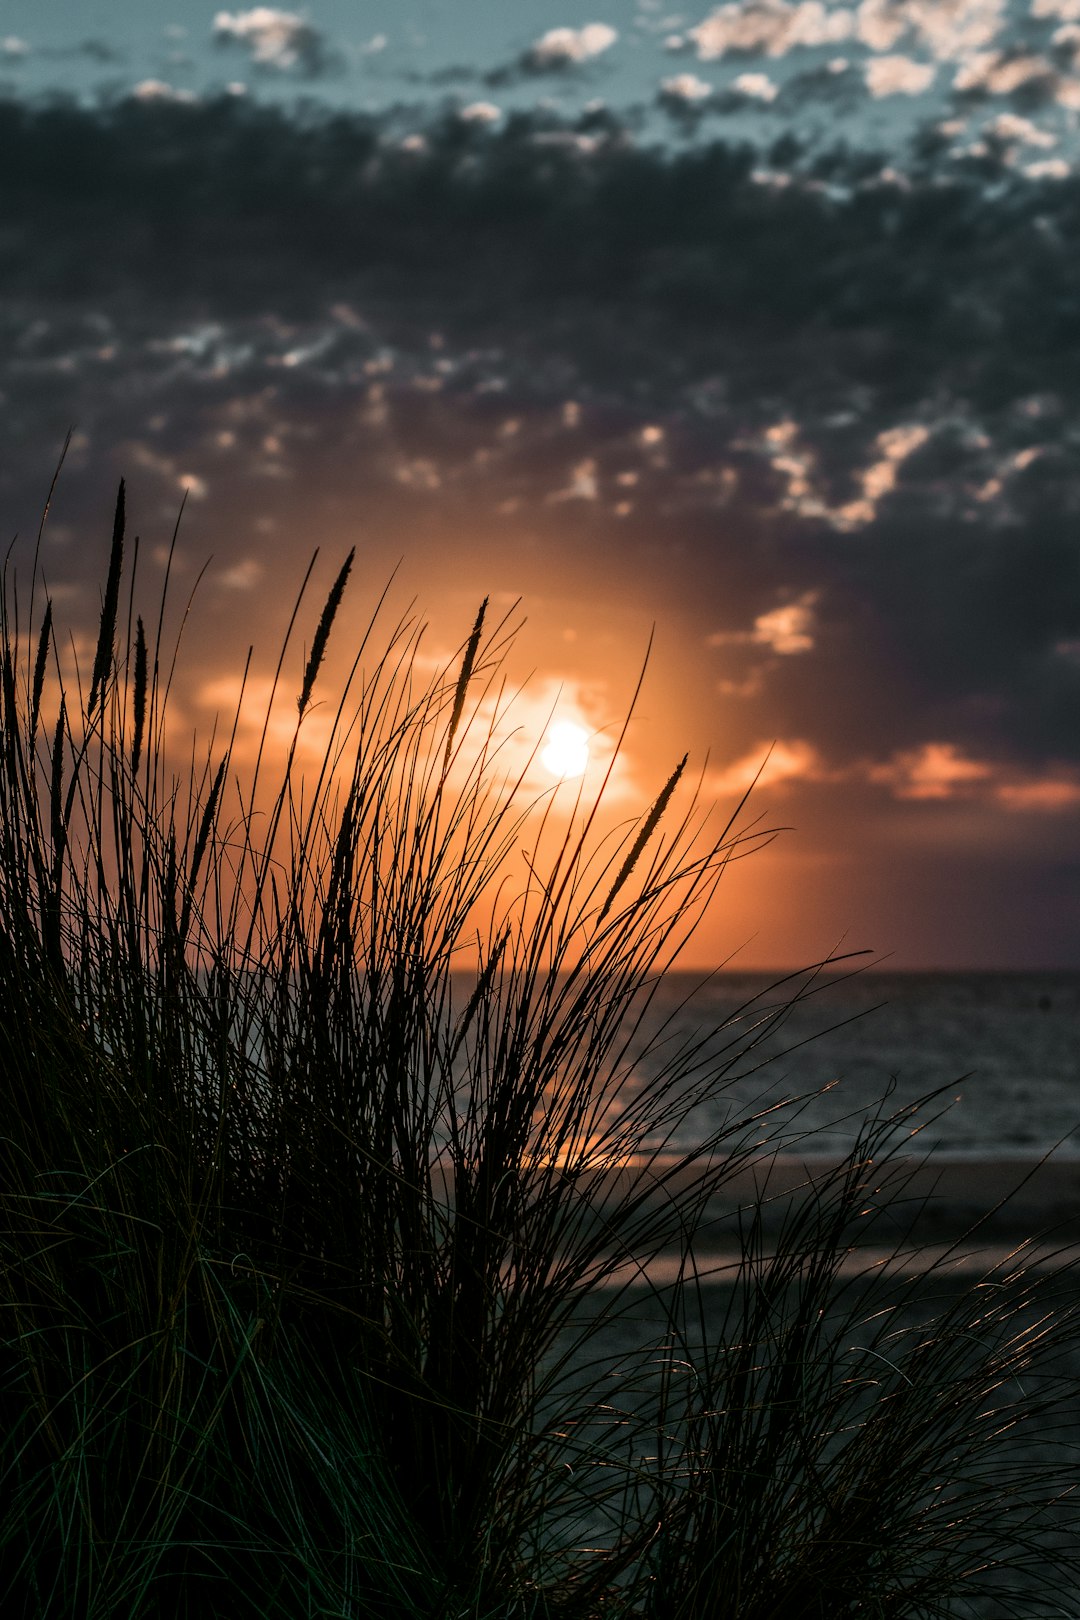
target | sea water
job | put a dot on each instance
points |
(1003, 1050)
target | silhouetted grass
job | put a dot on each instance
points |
(325, 1154)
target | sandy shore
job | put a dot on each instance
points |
(957, 1214)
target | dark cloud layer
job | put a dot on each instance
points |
(250, 210)
(817, 417)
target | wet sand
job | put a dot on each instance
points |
(958, 1213)
(958, 1219)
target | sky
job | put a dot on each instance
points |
(751, 328)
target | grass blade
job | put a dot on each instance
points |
(103, 657)
(650, 825)
(322, 633)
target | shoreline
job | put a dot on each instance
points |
(960, 1217)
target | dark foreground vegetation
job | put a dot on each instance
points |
(308, 1253)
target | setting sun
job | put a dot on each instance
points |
(566, 752)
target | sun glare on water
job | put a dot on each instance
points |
(566, 750)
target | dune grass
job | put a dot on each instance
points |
(325, 1148)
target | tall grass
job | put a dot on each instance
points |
(326, 1157)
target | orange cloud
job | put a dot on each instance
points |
(939, 770)
(786, 760)
(934, 771)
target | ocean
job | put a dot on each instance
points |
(1005, 1048)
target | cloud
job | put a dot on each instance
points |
(784, 762)
(156, 90)
(795, 451)
(582, 486)
(894, 445)
(769, 27)
(1048, 794)
(786, 629)
(942, 771)
(276, 40)
(560, 50)
(826, 423)
(1011, 129)
(758, 86)
(937, 770)
(935, 773)
(1007, 73)
(685, 89)
(565, 47)
(898, 75)
(950, 29)
(480, 112)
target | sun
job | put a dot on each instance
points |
(566, 751)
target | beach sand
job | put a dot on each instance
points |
(927, 1240)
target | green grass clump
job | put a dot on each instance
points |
(324, 1160)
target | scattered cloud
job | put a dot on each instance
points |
(933, 773)
(781, 763)
(758, 86)
(894, 445)
(560, 46)
(1013, 130)
(1004, 73)
(898, 75)
(788, 629)
(769, 27)
(1048, 794)
(480, 112)
(560, 50)
(853, 466)
(937, 770)
(950, 29)
(686, 89)
(243, 575)
(276, 40)
(785, 630)
(156, 90)
(942, 771)
(856, 459)
(582, 486)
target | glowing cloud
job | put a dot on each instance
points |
(937, 770)
(685, 87)
(879, 479)
(786, 629)
(156, 90)
(276, 39)
(565, 47)
(785, 761)
(998, 74)
(756, 85)
(898, 75)
(772, 27)
(480, 112)
(942, 771)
